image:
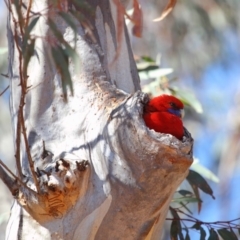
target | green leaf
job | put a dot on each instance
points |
(204, 172)
(185, 193)
(60, 58)
(161, 72)
(186, 199)
(176, 227)
(27, 54)
(227, 235)
(69, 20)
(55, 31)
(196, 192)
(188, 98)
(28, 30)
(180, 234)
(147, 59)
(197, 225)
(146, 66)
(79, 17)
(235, 237)
(174, 230)
(187, 237)
(71, 52)
(202, 234)
(32, 25)
(83, 6)
(197, 180)
(157, 73)
(185, 207)
(28, 45)
(213, 235)
(174, 213)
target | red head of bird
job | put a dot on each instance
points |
(163, 114)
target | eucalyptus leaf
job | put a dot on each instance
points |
(148, 59)
(196, 166)
(188, 98)
(146, 66)
(174, 230)
(161, 72)
(184, 205)
(186, 199)
(185, 193)
(197, 180)
(202, 234)
(213, 235)
(187, 237)
(61, 60)
(226, 234)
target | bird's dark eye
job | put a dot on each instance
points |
(173, 105)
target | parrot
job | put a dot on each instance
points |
(164, 115)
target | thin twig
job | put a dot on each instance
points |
(20, 18)
(18, 141)
(30, 161)
(4, 90)
(15, 177)
(5, 75)
(18, 130)
(21, 122)
(202, 222)
(7, 3)
(5, 166)
(9, 181)
(28, 12)
(225, 224)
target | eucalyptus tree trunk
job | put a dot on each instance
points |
(87, 166)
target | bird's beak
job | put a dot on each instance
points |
(182, 113)
(177, 112)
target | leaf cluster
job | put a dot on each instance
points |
(155, 82)
(179, 230)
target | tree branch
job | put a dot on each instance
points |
(9, 181)
(4, 90)
(12, 181)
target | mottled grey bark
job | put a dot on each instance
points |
(100, 172)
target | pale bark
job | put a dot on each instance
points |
(102, 173)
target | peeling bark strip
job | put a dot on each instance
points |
(88, 168)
